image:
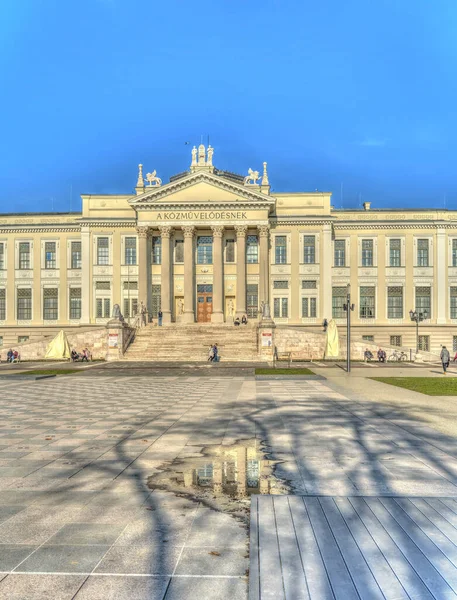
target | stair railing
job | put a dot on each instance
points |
(131, 334)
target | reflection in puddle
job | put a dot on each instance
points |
(222, 477)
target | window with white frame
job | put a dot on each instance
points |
(280, 308)
(368, 338)
(252, 300)
(340, 253)
(24, 255)
(2, 256)
(103, 308)
(423, 258)
(130, 307)
(309, 307)
(130, 250)
(424, 343)
(423, 299)
(130, 285)
(280, 249)
(22, 338)
(339, 296)
(156, 250)
(2, 304)
(367, 302)
(252, 249)
(367, 253)
(103, 285)
(50, 255)
(394, 253)
(204, 250)
(50, 304)
(395, 302)
(75, 250)
(230, 250)
(454, 252)
(102, 251)
(280, 285)
(24, 304)
(309, 249)
(454, 343)
(75, 303)
(309, 284)
(179, 251)
(453, 302)
(395, 340)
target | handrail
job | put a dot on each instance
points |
(133, 329)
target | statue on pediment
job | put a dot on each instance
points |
(210, 153)
(153, 180)
(194, 156)
(201, 155)
(252, 177)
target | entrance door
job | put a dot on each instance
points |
(204, 303)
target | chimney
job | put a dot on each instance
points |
(366, 205)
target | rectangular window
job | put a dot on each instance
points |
(103, 308)
(156, 250)
(367, 302)
(340, 253)
(339, 296)
(308, 308)
(280, 285)
(454, 253)
(1, 341)
(130, 285)
(102, 251)
(423, 297)
(130, 250)
(395, 340)
(230, 251)
(395, 302)
(395, 253)
(252, 300)
(22, 338)
(205, 250)
(281, 307)
(367, 253)
(280, 249)
(76, 255)
(453, 303)
(2, 256)
(252, 249)
(309, 249)
(368, 338)
(103, 285)
(156, 300)
(309, 284)
(422, 253)
(454, 343)
(424, 343)
(24, 255)
(179, 251)
(75, 303)
(49, 255)
(50, 304)
(130, 307)
(2, 304)
(24, 304)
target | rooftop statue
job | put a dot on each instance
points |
(153, 180)
(252, 177)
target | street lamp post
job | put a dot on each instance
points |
(348, 307)
(417, 316)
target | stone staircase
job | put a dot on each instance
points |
(190, 343)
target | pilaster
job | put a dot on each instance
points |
(189, 315)
(218, 275)
(85, 276)
(326, 271)
(240, 270)
(165, 234)
(143, 234)
(441, 279)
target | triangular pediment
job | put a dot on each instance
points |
(201, 188)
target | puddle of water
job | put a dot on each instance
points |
(222, 477)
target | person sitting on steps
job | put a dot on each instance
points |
(236, 321)
(244, 320)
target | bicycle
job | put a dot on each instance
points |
(397, 356)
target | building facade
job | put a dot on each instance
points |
(211, 245)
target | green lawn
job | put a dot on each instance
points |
(432, 386)
(281, 371)
(48, 372)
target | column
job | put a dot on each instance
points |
(326, 272)
(441, 270)
(85, 275)
(241, 270)
(218, 274)
(189, 316)
(143, 234)
(165, 271)
(264, 283)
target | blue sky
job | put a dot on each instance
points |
(354, 95)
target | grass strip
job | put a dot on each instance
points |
(291, 371)
(48, 372)
(431, 386)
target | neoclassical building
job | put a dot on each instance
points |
(210, 245)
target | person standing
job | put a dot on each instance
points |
(160, 315)
(325, 325)
(211, 354)
(445, 358)
(215, 353)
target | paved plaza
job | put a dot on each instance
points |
(78, 519)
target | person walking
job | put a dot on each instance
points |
(211, 354)
(215, 353)
(445, 359)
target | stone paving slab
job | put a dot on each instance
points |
(324, 548)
